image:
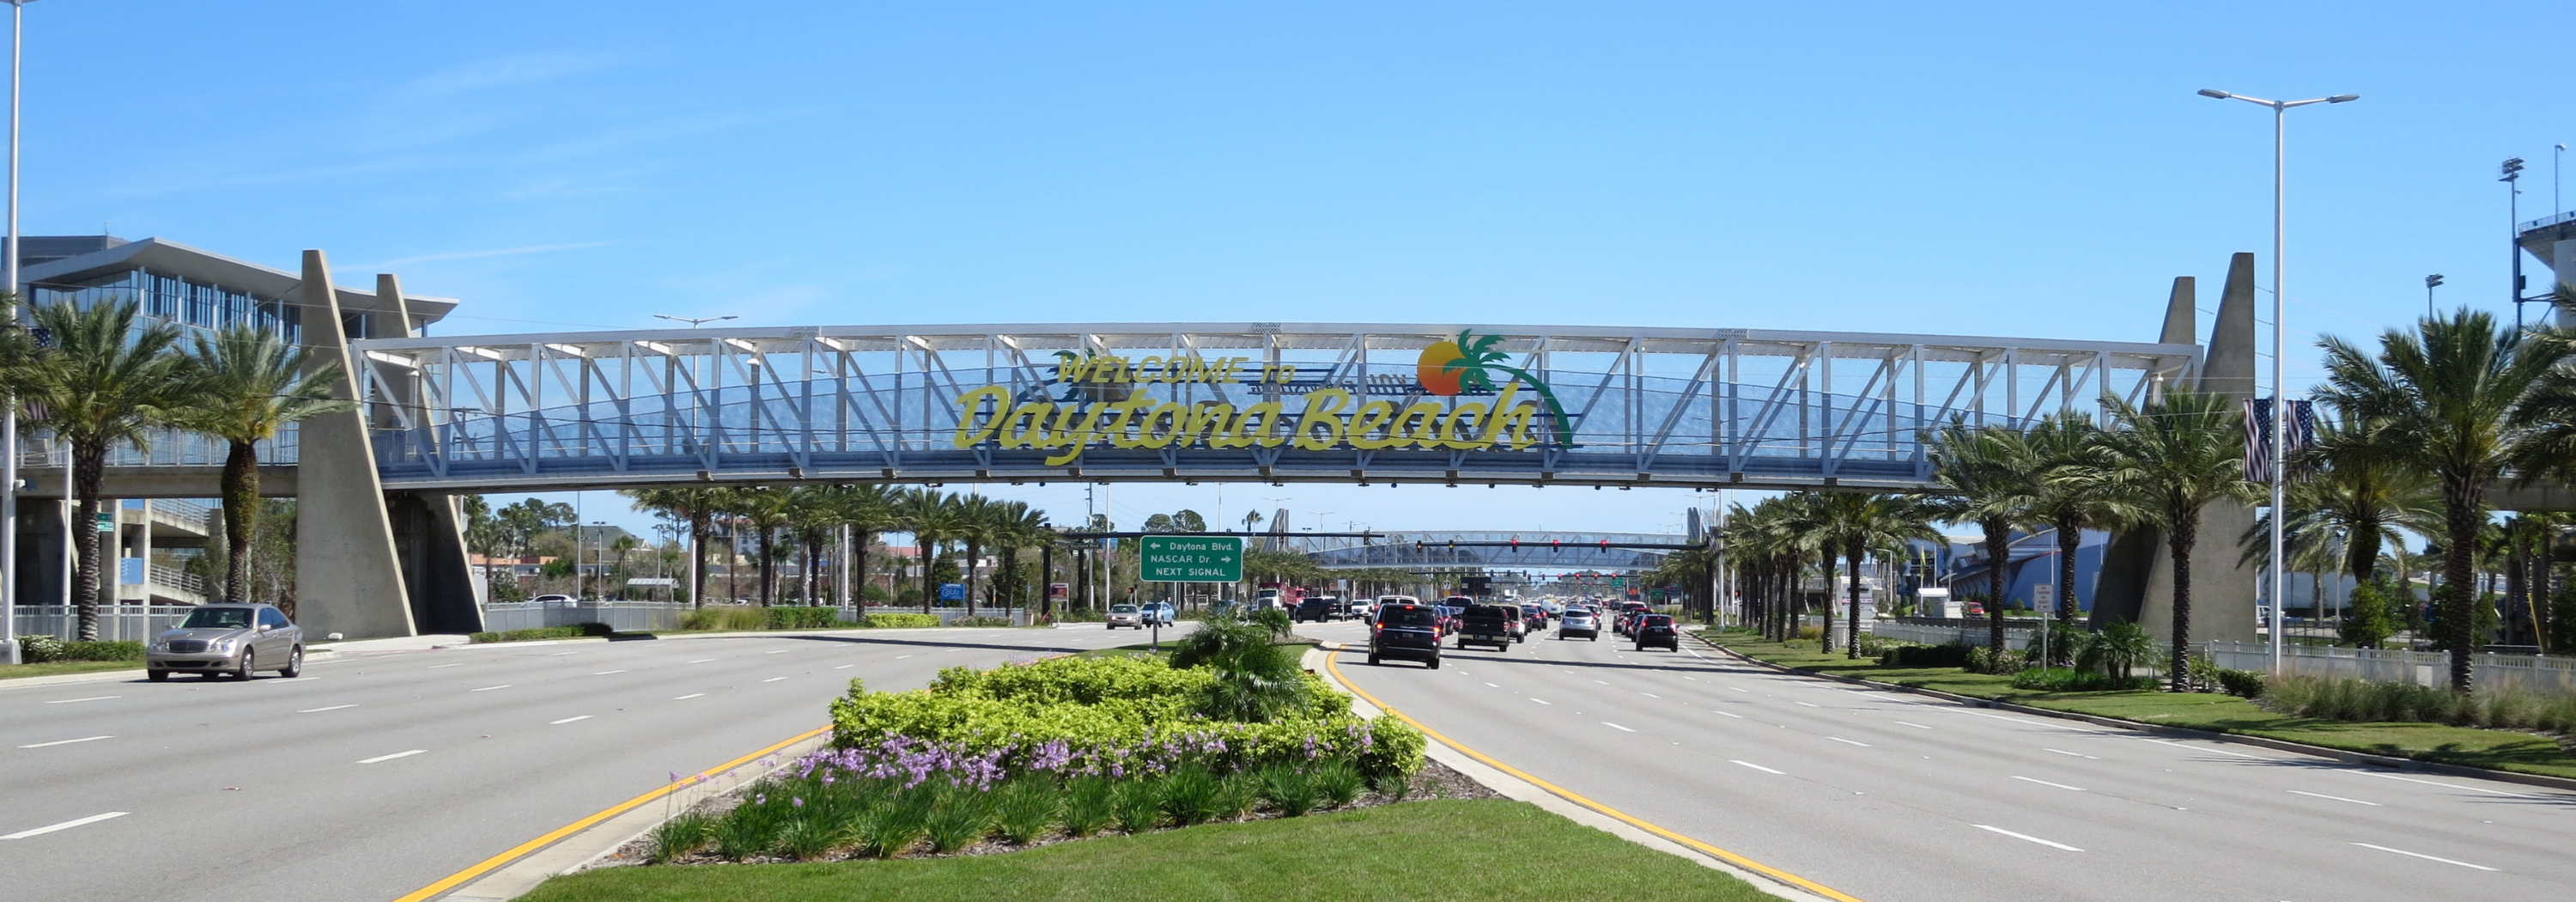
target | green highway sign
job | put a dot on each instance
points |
(1192, 559)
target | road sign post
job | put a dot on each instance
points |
(1191, 559)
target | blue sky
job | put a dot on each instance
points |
(2039, 169)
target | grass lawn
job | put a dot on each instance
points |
(2496, 749)
(1446, 849)
(52, 668)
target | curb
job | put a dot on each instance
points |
(2410, 765)
(1520, 790)
(584, 849)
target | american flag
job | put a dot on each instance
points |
(2302, 432)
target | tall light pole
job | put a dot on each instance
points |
(2280, 390)
(2510, 173)
(2430, 282)
(9, 318)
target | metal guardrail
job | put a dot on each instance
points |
(1961, 632)
(623, 616)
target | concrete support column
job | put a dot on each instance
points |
(348, 576)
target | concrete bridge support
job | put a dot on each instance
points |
(2137, 570)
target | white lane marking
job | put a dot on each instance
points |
(490, 688)
(2492, 792)
(393, 756)
(562, 653)
(2320, 795)
(1739, 689)
(1615, 726)
(1649, 695)
(1915, 725)
(332, 708)
(437, 666)
(1542, 701)
(1861, 744)
(778, 652)
(1811, 704)
(1602, 682)
(1690, 678)
(2065, 752)
(2046, 783)
(700, 661)
(2053, 845)
(773, 679)
(66, 825)
(1491, 684)
(2363, 845)
(65, 742)
(901, 657)
(687, 697)
(607, 672)
(94, 698)
(2201, 749)
(555, 723)
(1757, 767)
(1736, 716)
(845, 667)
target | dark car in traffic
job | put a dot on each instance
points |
(1320, 609)
(1656, 631)
(1409, 632)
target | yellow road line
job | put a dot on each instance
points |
(1331, 662)
(487, 865)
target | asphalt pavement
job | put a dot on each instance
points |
(375, 774)
(1897, 797)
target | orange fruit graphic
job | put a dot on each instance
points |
(1430, 370)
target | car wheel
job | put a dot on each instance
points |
(1372, 659)
(157, 676)
(247, 662)
(294, 664)
(1435, 662)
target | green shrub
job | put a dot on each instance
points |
(679, 836)
(2060, 679)
(1136, 805)
(39, 648)
(1025, 809)
(724, 619)
(899, 621)
(960, 817)
(1986, 659)
(101, 651)
(1288, 788)
(1394, 785)
(2371, 616)
(1337, 784)
(808, 837)
(2495, 706)
(1950, 655)
(2241, 683)
(1087, 802)
(801, 618)
(893, 826)
(980, 621)
(1192, 796)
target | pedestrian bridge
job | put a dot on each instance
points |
(1275, 402)
(1620, 552)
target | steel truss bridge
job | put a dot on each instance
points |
(1615, 552)
(1276, 402)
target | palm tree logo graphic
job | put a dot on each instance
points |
(1449, 367)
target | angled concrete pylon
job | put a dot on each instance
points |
(2119, 590)
(2137, 571)
(348, 577)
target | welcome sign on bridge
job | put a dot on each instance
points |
(1192, 559)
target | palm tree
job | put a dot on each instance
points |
(249, 382)
(103, 382)
(2071, 455)
(1858, 524)
(976, 526)
(868, 509)
(767, 510)
(2462, 401)
(931, 516)
(2174, 457)
(1986, 475)
(1016, 526)
(695, 506)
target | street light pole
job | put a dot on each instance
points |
(693, 321)
(2280, 391)
(9, 317)
(2429, 283)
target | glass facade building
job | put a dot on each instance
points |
(177, 299)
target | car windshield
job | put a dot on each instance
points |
(1122, 609)
(1408, 617)
(217, 619)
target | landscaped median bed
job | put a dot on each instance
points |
(2510, 750)
(1222, 770)
(792, 617)
(48, 656)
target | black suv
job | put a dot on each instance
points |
(1318, 609)
(1656, 631)
(1406, 631)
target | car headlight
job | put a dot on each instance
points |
(159, 645)
(225, 646)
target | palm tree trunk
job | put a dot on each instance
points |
(1851, 643)
(1998, 549)
(922, 549)
(2463, 514)
(2070, 539)
(859, 539)
(89, 462)
(241, 518)
(974, 547)
(2179, 539)
(1825, 640)
(768, 564)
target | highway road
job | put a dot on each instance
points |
(375, 774)
(1896, 797)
